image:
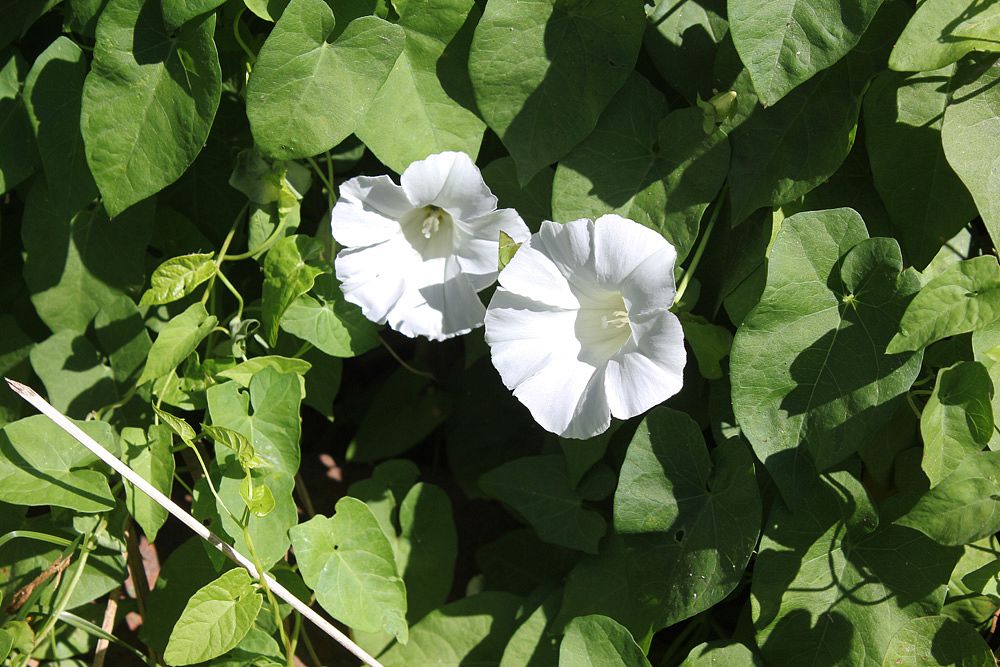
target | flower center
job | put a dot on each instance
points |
(618, 318)
(602, 325)
(433, 218)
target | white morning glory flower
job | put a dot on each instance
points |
(416, 254)
(580, 327)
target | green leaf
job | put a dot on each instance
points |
(938, 640)
(53, 94)
(810, 379)
(958, 418)
(176, 340)
(964, 297)
(215, 620)
(599, 642)
(177, 425)
(507, 250)
(258, 497)
(122, 337)
(934, 37)
(426, 549)
(535, 643)
(149, 100)
(348, 562)
(470, 631)
(6, 644)
(178, 12)
(177, 277)
(830, 589)
(782, 152)
(964, 506)
(537, 488)
(405, 409)
(330, 83)
(659, 170)
(74, 377)
(544, 71)
(682, 40)
(18, 154)
(42, 465)
(927, 203)
(268, 417)
(288, 274)
(971, 138)
(786, 43)
(709, 342)
(243, 372)
(685, 522)
(152, 457)
(720, 654)
(235, 442)
(424, 106)
(78, 262)
(328, 321)
(384, 491)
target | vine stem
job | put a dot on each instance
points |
(64, 595)
(43, 406)
(700, 250)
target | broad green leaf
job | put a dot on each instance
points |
(177, 277)
(599, 641)
(535, 643)
(176, 340)
(470, 631)
(424, 106)
(830, 588)
(782, 152)
(256, 649)
(53, 93)
(152, 457)
(78, 262)
(709, 342)
(18, 154)
(244, 371)
(19, 16)
(329, 83)
(348, 562)
(927, 203)
(74, 377)
(938, 640)
(149, 100)
(15, 350)
(936, 35)
(810, 377)
(178, 12)
(681, 40)
(6, 644)
(405, 409)
(215, 620)
(971, 138)
(426, 549)
(537, 488)
(964, 297)
(384, 491)
(533, 201)
(964, 506)
(81, 15)
(288, 274)
(41, 465)
(519, 562)
(721, 654)
(659, 170)
(786, 43)
(331, 323)
(958, 418)
(267, 415)
(543, 72)
(123, 339)
(698, 515)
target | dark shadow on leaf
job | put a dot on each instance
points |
(452, 66)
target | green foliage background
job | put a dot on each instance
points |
(823, 491)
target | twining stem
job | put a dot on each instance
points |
(702, 244)
(275, 612)
(399, 359)
(251, 57)
(65, 593)
(265, 244)
(42, 537)
(327, 182)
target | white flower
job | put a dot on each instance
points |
(416, 255)
(580, 328)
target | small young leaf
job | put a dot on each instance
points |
(964, 297)
(507, 249)
(257, 497)
(177, 425)
(176, 340)
(177, 277)
(215, 619)
(958, 418)
(236, 442)
(348, 562)
(598, 641)
(288, 274)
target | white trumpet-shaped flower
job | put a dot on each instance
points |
(580, 327)
(416, 254)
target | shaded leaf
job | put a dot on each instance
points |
(176, 340)
(326, 319)
(958, 418)
(599, 641)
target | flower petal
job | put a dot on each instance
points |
(570, 247)
(368, 211)
(533, 274)
(524, 335)
(650, 287)
(649, 368)
(567, 397)
(478, 243)
(439, 302)
(621, 246)
(448, 180)
(374, 277)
